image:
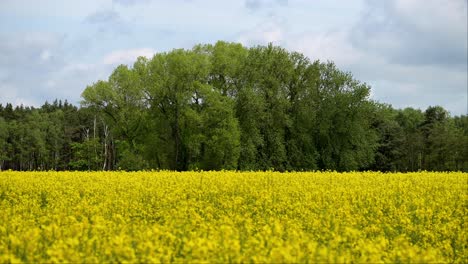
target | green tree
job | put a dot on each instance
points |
(173, 78)
(410, 121)
(461, 150)
(442, 140)
(220, 146)
(301, 91)
(4, 146)
(266, 73)
(389, 151)
(120, 102)
(225, 106)
(343, 135)
(84, 155)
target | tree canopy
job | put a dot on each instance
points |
(225, 106)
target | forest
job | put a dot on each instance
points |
(230, 107)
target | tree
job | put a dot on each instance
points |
(225, 106)
(390, 143)
(301, 91)
(220, 137)
(120, 102)
(266, 73)
(343, 136)
(173, 79)
(461, 150)
(441, 140)
(410, 121)
(4, 146)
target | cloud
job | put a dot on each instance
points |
(415, 52)
(26, 61)
(9, 94)
(254, 5)
(411, 52)
(76, 76)
(45, 55)
(415, 31)
(35, 67)
(271, 30)
(27, 50)
(29, 54)
(109, 21)
(73, 78)
(331, 46)
(130, 2)
(127, 56)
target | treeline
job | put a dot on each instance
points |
(225, 106)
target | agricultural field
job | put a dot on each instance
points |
(233, 217)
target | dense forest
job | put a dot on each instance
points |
(225, 106)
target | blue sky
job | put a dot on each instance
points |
(413, 53)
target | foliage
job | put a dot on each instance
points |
(229, 107)
(226, 106)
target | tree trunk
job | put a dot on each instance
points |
(106, 134)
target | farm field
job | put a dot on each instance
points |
(233, 217)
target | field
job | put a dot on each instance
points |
(233, 217)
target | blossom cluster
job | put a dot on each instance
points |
(232, 216)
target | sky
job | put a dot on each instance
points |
(413, 53)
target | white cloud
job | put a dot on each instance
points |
(70, 81)
(273, 30)
(131, 2)
(27, 60)
(110, 21)
(413, 52)
(414, 31)
(127, 56)
(9, 93)
(48, 8)
(254, 5)
(402, 85)
(45, 55)
(333, 46)
(450, 15)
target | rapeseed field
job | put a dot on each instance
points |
(233, 217)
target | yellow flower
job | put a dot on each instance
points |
(207, 217)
